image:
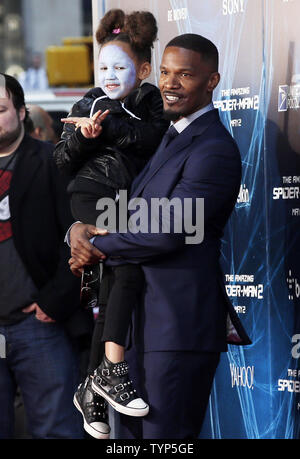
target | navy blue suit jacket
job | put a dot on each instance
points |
(185, 303)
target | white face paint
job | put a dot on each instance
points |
(117, 72)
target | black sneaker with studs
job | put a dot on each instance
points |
(111, 380)
(93, 409)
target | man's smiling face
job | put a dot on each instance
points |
(186, 82)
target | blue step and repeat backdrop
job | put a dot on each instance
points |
(256, 389)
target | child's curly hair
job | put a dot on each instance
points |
(139, 29)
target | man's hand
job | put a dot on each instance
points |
(90, 127)
(75, 267)
(82, 251)
(39, 314)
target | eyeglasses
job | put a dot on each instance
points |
(90, 283)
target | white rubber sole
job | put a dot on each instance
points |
(136, 412)
(89, 429)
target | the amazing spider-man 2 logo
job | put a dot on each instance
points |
(5, 224)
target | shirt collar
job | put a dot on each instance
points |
(187, 120)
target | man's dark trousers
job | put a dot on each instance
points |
(180, 399)
(39, 359)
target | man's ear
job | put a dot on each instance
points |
(22, 113)
(144, 71)
(37, 133)
(213, 81)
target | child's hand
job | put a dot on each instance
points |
(90, 127)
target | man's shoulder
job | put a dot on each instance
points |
(212, 139)
(212, 127)
(31, 144)
(33, 150)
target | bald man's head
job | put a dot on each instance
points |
(42, 124)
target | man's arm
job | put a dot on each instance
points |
(214, 176)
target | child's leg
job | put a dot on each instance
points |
(124, 296)
(83, 207)
(114, 352)
(97, 346)
(111, 379)
(91, 405)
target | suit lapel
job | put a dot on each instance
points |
(181, 142)
(138, 180)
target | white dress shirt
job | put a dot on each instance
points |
(184, 122)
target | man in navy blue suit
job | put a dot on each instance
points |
(182, 326)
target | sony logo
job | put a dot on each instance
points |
(233, 6)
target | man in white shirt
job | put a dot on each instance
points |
(35, 77)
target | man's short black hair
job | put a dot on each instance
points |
(199, 44)
(15, 91)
